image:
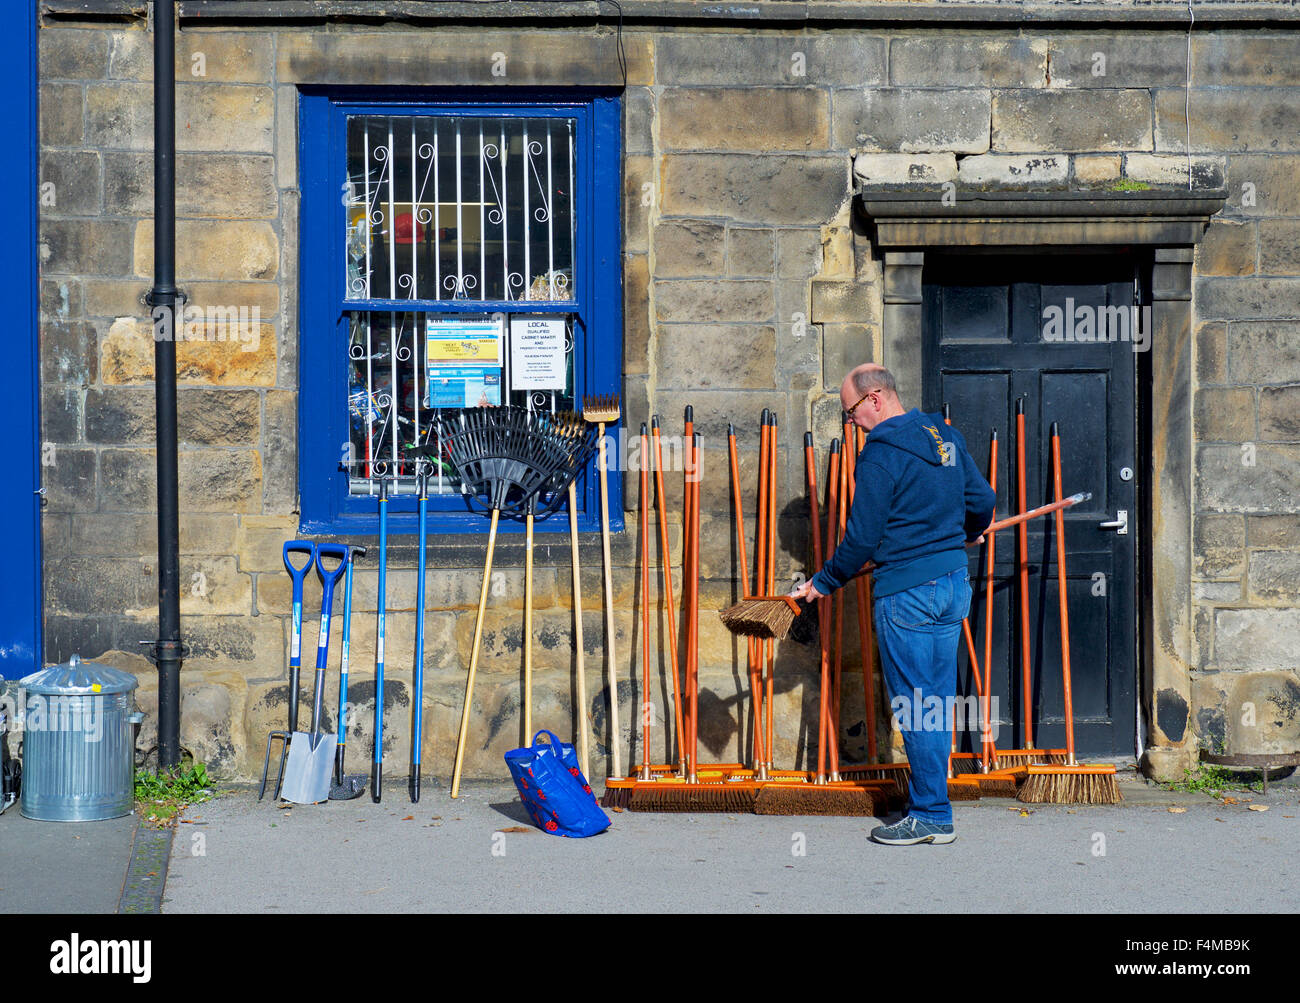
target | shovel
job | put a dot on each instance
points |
(298, 575)
(308, 769)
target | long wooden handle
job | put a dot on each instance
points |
(645, 610)
(611, 662)
(473, 658)
(583, 745)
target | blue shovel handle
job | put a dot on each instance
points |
(329, 578)
(298, 575)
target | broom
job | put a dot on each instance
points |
(696, 792)
(1068, 783)
(818, 795)
(758, 759)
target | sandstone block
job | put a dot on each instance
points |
(715, 356)
(900, 120)
(689, 247)
(727, 300)
(1025, 121)
(922, 169)
(759, 119)
(767, 190)
(1002, 171)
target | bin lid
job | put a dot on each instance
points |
(75, 677)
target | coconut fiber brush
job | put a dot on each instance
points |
(761, 616)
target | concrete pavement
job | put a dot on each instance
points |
(480, 854)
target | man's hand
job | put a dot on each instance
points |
(806, 592)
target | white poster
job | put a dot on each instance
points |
(537, 352)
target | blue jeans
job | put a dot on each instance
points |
(918, 631)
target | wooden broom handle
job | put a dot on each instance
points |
(473, 658)
(611, 660)
(577, 634)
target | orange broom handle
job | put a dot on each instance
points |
(1026, 682)
(760, 583)
(988, 607)
(668, 586)
(645, 609)
(824, 665)
(841, 524)
(687, 466)
(695, 605)
(866, 642)
(744, 576)
(768, 716)
(826, 732)
(1060, 589)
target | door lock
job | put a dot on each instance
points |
(1119, 524)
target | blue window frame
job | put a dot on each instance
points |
(456, 209)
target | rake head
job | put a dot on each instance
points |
(601, 408)
(508, 457)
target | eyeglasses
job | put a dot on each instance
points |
(850, 411)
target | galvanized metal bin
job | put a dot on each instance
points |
(78, 742)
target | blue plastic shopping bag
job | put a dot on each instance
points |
(553, 789)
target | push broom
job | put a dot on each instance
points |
(602, 411)
(695, 793)
(1013, 758)
(818, 795)
(1068, 782)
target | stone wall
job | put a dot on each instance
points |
(749, 284)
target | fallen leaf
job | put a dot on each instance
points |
(618, 810)
(151, 874)
(515, 828)
(1218, 820)
(1257, 807)
(1177, 810)
(407, 818)
(1230, 801)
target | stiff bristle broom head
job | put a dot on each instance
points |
(964, 763)
(964, 788)
(899, 774)
(837, 799)
(618, 793)
(763, 617)
(1059, 784)
(1003, 783)
(677, 796)
(602, 408)
(1014, 758)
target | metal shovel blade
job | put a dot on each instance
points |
(309, 769)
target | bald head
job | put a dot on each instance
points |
(871, 392)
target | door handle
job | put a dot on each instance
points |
(1119, 524)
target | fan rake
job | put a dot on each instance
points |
(511, 460)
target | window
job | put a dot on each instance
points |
(454, 253)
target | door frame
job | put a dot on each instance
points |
(20, 503)
(904, 225)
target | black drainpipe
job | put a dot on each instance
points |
(163, 298)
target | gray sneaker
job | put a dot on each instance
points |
(909, 830)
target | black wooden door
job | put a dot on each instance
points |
(999, 328)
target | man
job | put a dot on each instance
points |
(919, 499)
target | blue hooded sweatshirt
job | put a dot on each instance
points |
(918, 499)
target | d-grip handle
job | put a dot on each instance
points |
(329, 578)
